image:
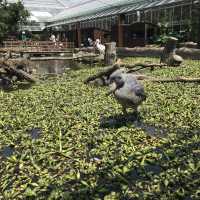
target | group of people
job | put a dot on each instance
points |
(88, 43)
(56, 41)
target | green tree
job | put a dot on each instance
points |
(11, 15)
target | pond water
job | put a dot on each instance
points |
(35, 133)
(151, 130)
(53, 66)
(121, 120)
(7, 151)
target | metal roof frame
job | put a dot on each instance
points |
(139, 5)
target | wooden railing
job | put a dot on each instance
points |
(37, 45)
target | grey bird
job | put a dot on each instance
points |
(126, 89)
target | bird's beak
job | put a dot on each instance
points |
(113, 87)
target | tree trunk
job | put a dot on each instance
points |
(169, 56)
(110, 53)
(180, 79)
(16, 68)
(105, 73)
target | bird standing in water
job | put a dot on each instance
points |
(100, 47)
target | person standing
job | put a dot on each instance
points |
(53, 38)
(90, 42)
(23, 36)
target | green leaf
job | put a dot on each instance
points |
(30, 193)
(142, 163)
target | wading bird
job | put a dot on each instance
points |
(100, 47)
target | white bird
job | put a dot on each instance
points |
(100, 47)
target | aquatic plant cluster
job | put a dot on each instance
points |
(62, 139)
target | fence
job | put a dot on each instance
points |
(37, 45)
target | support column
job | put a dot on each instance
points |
(78, 35)
(110, 53)
(120, 31)
(198, 26)
(145, 33)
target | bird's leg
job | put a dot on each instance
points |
(113, 88)
(135, 111)
(124, 110)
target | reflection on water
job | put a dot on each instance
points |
(35, 133)
(151, 129)
(7, 151)
(130, 119)
(52, 66)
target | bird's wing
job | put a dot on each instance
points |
(131, 91)
(139, 90)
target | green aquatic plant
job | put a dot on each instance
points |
(53, 144)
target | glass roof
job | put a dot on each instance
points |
(74, 10)
(80, 8)
(66, 8)
(43, 10)
(83, 7)
(90, 9)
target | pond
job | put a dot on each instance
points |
(63, 137)
(53, 66)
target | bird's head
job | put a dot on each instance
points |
(116, 80)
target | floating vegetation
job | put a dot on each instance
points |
(35, 133)
(62, 139)
(7, 151)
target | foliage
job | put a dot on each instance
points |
(53, 144)
(182, 35)
(162, 39)
(165, 33)
(10, 17)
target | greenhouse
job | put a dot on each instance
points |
(121, 21)
(136, 20)
(99, 99)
